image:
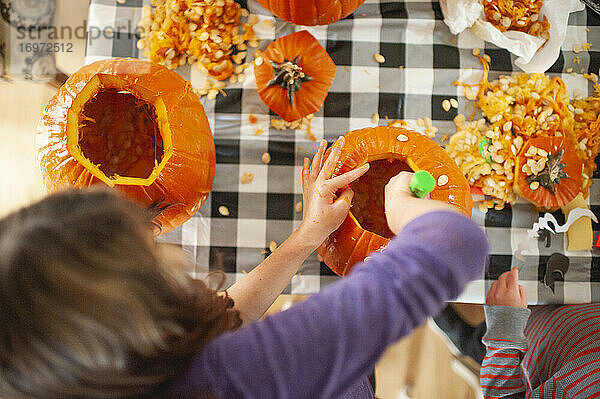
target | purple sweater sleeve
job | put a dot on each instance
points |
(321, 347)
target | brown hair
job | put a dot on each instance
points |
(91, 307)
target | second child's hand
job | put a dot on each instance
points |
(506, 291)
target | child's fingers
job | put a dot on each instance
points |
(342, 203)
(305, 172)
(523, 295)
(491, 293)
(348, 177)
(512, 278)
(317, 162)
(331, 161)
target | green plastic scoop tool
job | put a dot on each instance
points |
(422, 183)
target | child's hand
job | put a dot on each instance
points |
(506, 291)
(401, 205)
(324, 212)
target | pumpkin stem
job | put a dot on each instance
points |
(289, 76)
(552, 173)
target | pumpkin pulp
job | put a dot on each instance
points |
(119, 134)
(368, 204)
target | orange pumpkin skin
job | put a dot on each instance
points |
(311, 12)
(314, 61)
(350, 243)
(566, 190)
(185, 176)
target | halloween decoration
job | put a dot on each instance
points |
(294, 75)
(133, 125)
(388, 150)
(556, 268)
(311, 12)
(580, 233)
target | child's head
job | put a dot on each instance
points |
(91, 307)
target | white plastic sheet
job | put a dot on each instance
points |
(533, 55)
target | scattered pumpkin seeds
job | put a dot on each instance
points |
(442, 180)
(223, 210)
(272, 246)
(266, 158)
(446, 105)
(379, 58)
(375, 118)
(247, 178)
(454, 103)
(402, 137)
(534, 185)
(299, 207)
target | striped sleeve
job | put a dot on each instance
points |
(578, 378)
(506, 346)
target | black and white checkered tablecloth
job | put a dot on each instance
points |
(422, 60)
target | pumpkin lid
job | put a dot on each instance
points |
(549, 172)
(294, 78)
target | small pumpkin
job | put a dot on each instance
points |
(558, 182)
(133, 125)
(295, 75)
(388, 150)
(311, 12)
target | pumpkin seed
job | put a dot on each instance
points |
(379, 58)
(442, 180)
(266, 158)
(272, 246)
(299, 207)
(446, 105)
(247, 178)
(223, 210)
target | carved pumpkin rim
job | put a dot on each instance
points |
(381, 157)
(97, 84)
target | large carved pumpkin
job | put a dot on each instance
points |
(133, 125)
(388, 150)
(311, 12)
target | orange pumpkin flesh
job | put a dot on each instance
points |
(311, 12)
(118, 133)
(133, 125)
(352, 242)
(566, 189)
(368, 204)
(313, 61)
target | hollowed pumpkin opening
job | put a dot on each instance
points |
(118, 132)
(368, 204)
